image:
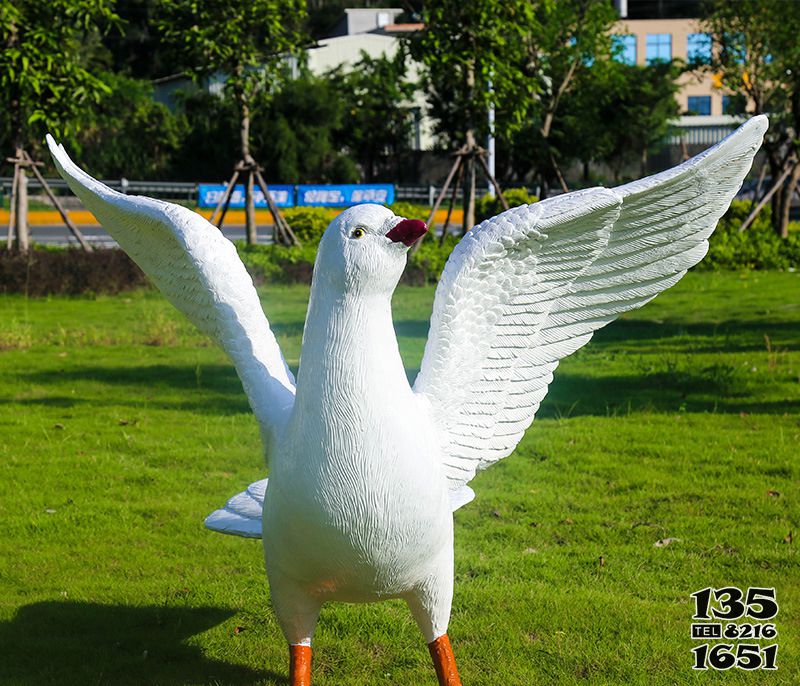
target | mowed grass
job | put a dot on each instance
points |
(121, 428)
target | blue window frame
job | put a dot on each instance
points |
(625, 48)
(698, 48)
(658, 47)
(700, 104)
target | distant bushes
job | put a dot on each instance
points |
(756, 248)
(489, 206)
(68, 272)
(759, 247)
(73, 272)
(277, 264)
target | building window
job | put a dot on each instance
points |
(625, 48)
(700, 104)
(659, 47)
(698, 48)
(734, 104)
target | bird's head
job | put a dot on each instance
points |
(364, 249)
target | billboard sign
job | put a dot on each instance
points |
(345, 195)
(209, 195)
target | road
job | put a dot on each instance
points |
(58, 234)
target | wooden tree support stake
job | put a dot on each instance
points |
(453, 196)
(775, 188)
(464, 164)
(761, 176)
(222, 205)
(13, 209)
(280, 221)
(70, 225)
(283, 232)
(493, 180)
(447, 183)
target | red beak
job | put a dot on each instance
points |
(408, 231)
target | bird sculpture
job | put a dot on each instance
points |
(365, 470)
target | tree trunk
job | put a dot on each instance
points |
(469, 185)
(557, 171)
(21, 200)
(785, 202)
(250, 211)
(251, 230)
(469, 175)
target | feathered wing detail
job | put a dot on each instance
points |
(241, 515)
(199, 272)
(530, 286)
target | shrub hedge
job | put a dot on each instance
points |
(71, 271)
(756, 248)
(68, 271)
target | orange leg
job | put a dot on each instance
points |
(444, 661)
(299, 665)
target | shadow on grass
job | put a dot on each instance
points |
(412, 328)
(88, 643)
(701, 390)
(715, 388)
(728, 336)
(221, 389)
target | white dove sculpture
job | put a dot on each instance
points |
(364, 469)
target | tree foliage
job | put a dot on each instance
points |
(562, 39)
(465, 46)
(128, 133)
(532, 52)
(756, 54)
(47, 75)
(617, 113)
(246, 40)
(377, 127)
(296, 132)
(138, 51)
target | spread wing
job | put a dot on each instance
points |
(199, 272)
(530, 286)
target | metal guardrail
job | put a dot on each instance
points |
(187, 191)
(169, 190)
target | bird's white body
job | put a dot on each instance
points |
(357, 508)
(365, 470)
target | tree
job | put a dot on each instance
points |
(46, 76)
(296, 134)
(756, 54)
(128, 133)
(138, 51)
(617, 113)
(560, 41)
(247, 41)
(470, 50)
(377, 95)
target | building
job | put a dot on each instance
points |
(650, 30)
(365, 19)
(373, 31)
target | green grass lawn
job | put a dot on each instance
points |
(121, 428)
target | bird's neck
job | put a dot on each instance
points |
(349, 351)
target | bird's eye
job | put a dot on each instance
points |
(358, 232)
